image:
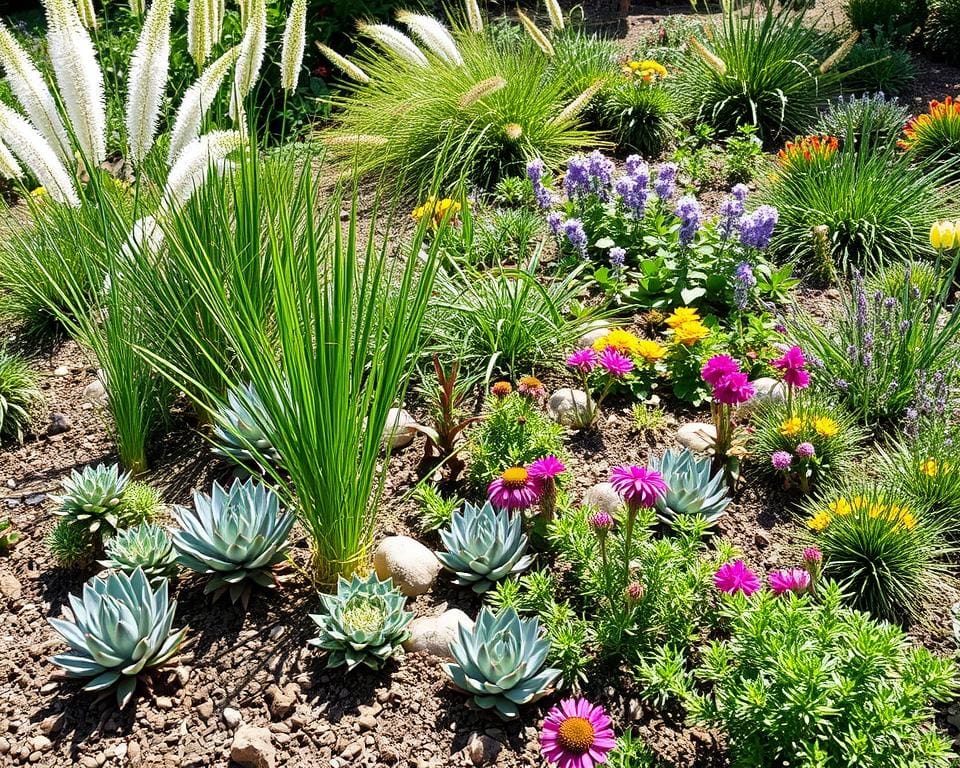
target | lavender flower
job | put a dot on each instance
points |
(756, 228)
(535, 170)
(740, 191)
(555, 222)
(743, 282)
(731, 209)
(573, 229)
(636, 167)
(860, 296)
(617, 257)
(576, 181)
(633, 194)
(689, 212)
(666, 183)
(601, 174)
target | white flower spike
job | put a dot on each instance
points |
(395, 41)
(147, 80)
(432, 34)
(294, 41)
(38, 156)
(252, 49)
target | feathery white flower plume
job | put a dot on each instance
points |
(136, 7)
(32, 92)
(480, 91)
(9, 167)
(202, 155)
(147, 80)
(294, 41)
(215, 12)
(79, 78)
(474, 17)
(245, 8)
(252, 48)
(344, 64)
(145, 240)
(555, 13)
(35, 153)
(88, 16)
(542, 41)
(196, 103)
(199, 31)
(394, 40)
(433, 35)
(570, 112)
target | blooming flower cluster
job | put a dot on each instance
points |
(647, 71)
(736, 577)
(731, 386)
(520, 488)
(807, 150)
(686, 326)
(917, 130)
(437, 210)
(577, 734)
(900, 516)
(792, 365)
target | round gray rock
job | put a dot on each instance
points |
(697, 436)
(603, 498)
(412, 566)
(570, 407)
(433, 634)
(399, 429)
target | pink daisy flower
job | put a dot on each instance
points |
(796, 378)
(717, 367)
(639, 486)
(584, 360)
(812, 555)
(792, 358)
(600, 522)
(614, 363)
(576, 734)
(514, 489)
(736, 577)
(733, 389)
(546, 467)
(789, 580)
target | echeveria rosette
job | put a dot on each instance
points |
(692, 488)
(364, 622)
(500, 662)
(121, 627)
(92, 498)
(483, 546)
(145, 546)
(241, 428)
(234, 535)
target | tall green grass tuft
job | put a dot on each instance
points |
(20, 395)
(331, 360)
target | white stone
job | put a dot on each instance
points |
(398, 431)
(61, 370)
(231, 717)
(252, 748)
(697, 436)
(10, 586)
(433, 634)
(412, 566)
(570, 407)
(768, 389)
(595, 330)
(95, 394)
(603, 498)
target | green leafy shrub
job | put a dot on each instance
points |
(639, 116)
(363, 623)
(871, 119)
(435, 510)
(482, 119)
(19, 397)
(874, 64)
(513, 433)
(120, 628)
(896, 18)
(767, 68)
(811, 683)
(941, 31)
(884, 553)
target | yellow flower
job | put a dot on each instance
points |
(513, 131)
(655, 67)
(907, 520)
(943, 235)
(690, 333)
(622, 341)
(791, 427)
(682, 315)
(651, 351)
(437, 210)
(840, 507)
(39, 192)
(825, 426)
(878, 510)
(930, 468)
(820, 521)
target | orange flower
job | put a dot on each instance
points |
(808, 149)
(923, 131)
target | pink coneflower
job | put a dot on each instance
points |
(576, 734)
(812, 555)
(792, 364)
(514, 489)
(615, 363)
(717, 367)
(639, 486)
(789, 580)
(546, 467)
(584, 360)
(781, 460)
(501, 389)
(733, 389)
(601, 523)
(806, 451)
(736, 577)
(531, 387)
(544, 472)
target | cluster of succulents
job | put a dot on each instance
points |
(9, 535)
(364, 623)
(236, 536)
(241, 428)
(91, 498)
(483, 546)
(121, 627)
(147, 547)
(692, 488)
(500, 662)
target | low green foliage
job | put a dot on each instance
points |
(942, 29)
(145, 546)
(871, 119)
(435, 510)
(9, 536)
(811, 683)
(20, 395)
(874, 64)
(641, 118)
(896, 18)
(72, 545)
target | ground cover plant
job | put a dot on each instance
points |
(572, 393)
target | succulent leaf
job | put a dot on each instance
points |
(693, 489)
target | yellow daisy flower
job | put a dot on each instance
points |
(622, 341)
(825, 426)
(819, 522)
(840, 507)
(930, 468)
(690, 333)
(682, 315)
(651, 351)
(791, 427)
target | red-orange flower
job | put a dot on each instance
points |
(807, 149)
(943, 117)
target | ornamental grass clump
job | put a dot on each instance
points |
(364, 622)
(483, 546)
(826, 685)
(234, 536)
(121, 627)
(872, 118)
(500, 662)
(887, 555)
(20, 395)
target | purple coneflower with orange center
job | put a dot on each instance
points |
(531, 387)
(514, 489)
(577, 734)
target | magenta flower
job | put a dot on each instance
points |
(514, 489)
(639, 486)
(806, 451)
(546, 467)
(615, 363)
(717, 367)
(781, 460)
(789, 580)
(812, 555)
(792, 364)
(600, 522)
(736, 577)
(796, 378)
(583, 360)
(576, 734)
(733, 389)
